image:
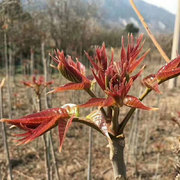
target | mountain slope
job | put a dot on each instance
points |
(120, 12)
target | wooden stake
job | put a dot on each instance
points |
(161, 51)
(176, 44)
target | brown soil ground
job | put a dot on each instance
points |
(152, 139)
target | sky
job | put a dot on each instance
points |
(170, 5)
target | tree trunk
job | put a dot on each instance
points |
(32, 61)
(117, 158)
(7, 75)
(6, 147)
(176, 44)
(45, 72)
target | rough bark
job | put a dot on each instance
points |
(117, 158)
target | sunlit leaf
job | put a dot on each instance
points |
(109, 101)
(74, 72)
(81, 67)
(37, 118)
(98, 118)
(170, 70)
(93, 102)
(63, 127)
(38, 123)
(173, 64)
(72, 86)
(101, 102)
(72, 109)
(168, 74)
(29, 84)
(136, 63)
(39, 130)
(99, 81)
(95, 66)
(132, 49)
(123, 53)
(152, 83)
(132, 101)
(102, 57)
(138, 74)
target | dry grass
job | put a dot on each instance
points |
(150, 155)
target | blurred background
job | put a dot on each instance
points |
(78, 25)
(30, 30)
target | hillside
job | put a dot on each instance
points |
(118, 13)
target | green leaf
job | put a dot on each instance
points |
(98, 118)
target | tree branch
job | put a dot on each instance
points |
(129, 114)
(102, 109)
(87, 122)
(161, 51)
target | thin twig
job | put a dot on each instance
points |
(24, 175)
(89, 154)
(115, 119)
(87, 122)
(157, 167)
(131, 111)
(45, 143)
(46, 155)
(4, 131)
(49, 134)
(94, 96)
(7, 75)
(161, 51)
(145, 139)
(54, 157)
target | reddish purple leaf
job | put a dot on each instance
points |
(74, 72)
(136, 63)
(170, 70)
(72, 86)
(179, 114)
(38, 123)
(102, 57)
(123, 53)
(63, 127)
(132, 101)
(37, 118)
(99, 81)
(173, 64)
(152, 83)
(93, 102)
(168, 74)
(138, 74)
(109, 101)
(92, 62)
(101, 102)
(41, 129)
